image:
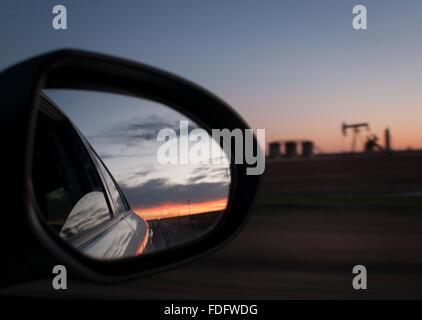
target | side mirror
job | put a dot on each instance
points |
(64, 203)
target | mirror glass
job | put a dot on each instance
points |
(117, 176)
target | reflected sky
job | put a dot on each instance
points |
(123, 131)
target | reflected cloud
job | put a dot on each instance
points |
(135, 131)
(158, 192)
(210, 173)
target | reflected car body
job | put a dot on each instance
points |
(100, 223)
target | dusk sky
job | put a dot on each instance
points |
(123, 131)
(295, 68)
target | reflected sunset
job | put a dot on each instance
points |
(177, 210)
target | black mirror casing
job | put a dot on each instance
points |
(29, 248)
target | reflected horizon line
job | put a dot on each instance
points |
(179, 210)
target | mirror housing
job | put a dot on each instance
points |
(29, 249)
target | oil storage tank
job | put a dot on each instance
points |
(274, 151)
(291, 149)
(307, 149)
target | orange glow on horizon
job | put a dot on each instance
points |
(176, 210)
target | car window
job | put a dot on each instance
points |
(67, 188)
(112, 187)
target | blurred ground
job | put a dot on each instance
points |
(302, 242)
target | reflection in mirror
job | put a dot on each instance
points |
(100, 184)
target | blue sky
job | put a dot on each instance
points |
(295, 68)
